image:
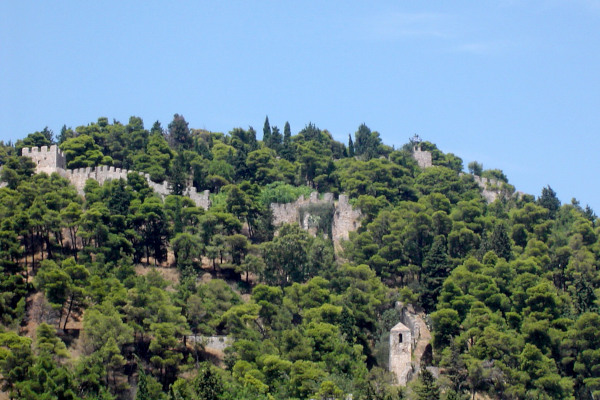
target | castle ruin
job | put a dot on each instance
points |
(51, 159)
(345, 218)
(491, 189)
(423, 158)
(409, 342)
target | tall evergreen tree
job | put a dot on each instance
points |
(156, 128)
(499, 242)
(142, 389)
(179, 133)
(549, 200)
(436, 268)
(179, 175)
(426, 388)
(350, 146)
(267, 132)
(276, 139)
(287, 150)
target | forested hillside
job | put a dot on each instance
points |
(102, 294)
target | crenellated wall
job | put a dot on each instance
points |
(51, 159)
(46, 159)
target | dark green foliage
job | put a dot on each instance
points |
(179, 133)
(368, 144)
(511, 288)
(427, 388)
(549, 200)
(436, 268)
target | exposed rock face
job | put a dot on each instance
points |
(345, 218)
(52, 159)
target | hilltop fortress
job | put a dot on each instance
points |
(50, 159)
(345, 219)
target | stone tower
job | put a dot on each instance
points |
(400, 353)
(46, 159)
(423, 158)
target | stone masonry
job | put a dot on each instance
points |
(52, 159)
(491, 189)
(345, 219)
(423, 158)
(401, 353)
(409, 340)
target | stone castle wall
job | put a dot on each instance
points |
(46, 159)
(491, 189)
(423, 158)
(51, 159)
(345, 218)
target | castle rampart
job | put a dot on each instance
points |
(345, 218)
(51, 159)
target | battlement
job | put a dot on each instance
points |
(46, 158)
(51, 159)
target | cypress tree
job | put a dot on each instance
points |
(350, 146)
(436, 268)
(549, 200)
(142, 389)
(287, 151)
(267, 132)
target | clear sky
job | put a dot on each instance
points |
(514, 84)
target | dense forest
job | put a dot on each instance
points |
(102, 293)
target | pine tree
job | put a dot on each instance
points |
(426, 388)
(350, 146)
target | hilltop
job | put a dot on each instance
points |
(128, 254)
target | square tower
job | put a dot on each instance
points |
(401, 353)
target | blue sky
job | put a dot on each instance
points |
(514, 84)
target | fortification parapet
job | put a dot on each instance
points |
(46, 158)
(50, 159)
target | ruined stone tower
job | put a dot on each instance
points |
(423, 158)
(46, 159)
(400, 353)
